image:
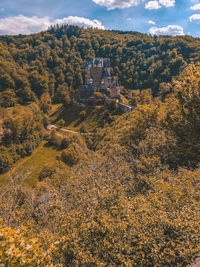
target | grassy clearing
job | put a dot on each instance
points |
(55, 108)
(33, 164)
(15, 111)
(73, 120)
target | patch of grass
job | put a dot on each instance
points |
(15, 111)
(74, 120)
(33, 164)
(55, 109)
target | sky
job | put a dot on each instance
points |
(156, 17)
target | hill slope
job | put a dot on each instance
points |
(126, 194)
(52, 60)
(121, 199)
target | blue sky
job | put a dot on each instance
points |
(175, 17)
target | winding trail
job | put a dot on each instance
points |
(52, 126)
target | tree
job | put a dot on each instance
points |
(8, 98)
(45, 102)
(63, 95)
(70, 155)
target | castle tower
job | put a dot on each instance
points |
(98, 70)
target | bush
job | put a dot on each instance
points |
(6, 162)
(55, 140)
(8, 98)
(47, 171)
(61, 123)
(64, 143)
(112, 105)
(45, 120)
(83, 129)
(98, 95)
(82, 114)
(70, 155)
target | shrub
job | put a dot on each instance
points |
(82, 114)
(112, 105)
(47, 171)
(64, 143)
(98, 95)
(6, 162)
(83, 129)
(55, 140)
(45, 121)
(8, 98)
(61, 123)
(70, 155)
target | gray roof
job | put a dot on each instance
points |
(97, 61)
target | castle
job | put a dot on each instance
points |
(98, 79)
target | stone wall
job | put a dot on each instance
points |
(125, 108)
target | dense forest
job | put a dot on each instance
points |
(50, 61)
(124, 191)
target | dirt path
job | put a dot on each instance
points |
(52, 126)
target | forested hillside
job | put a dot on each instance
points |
(52, 61)
(119, 190)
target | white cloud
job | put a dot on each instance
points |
(24, 25)
(167, 3)
(195, 7)
(81, 22)
(152, 5)
(2, 9)
(112, 4)
(27, 25)
(151, 22)
(168, 30)
(195, 18)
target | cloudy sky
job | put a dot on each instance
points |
(174, 17)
